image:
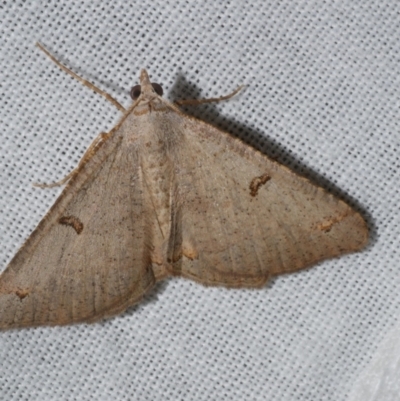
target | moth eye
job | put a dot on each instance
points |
(135, 92)
(158, 88)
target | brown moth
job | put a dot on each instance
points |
(164, 194)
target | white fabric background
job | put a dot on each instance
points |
(322, 97)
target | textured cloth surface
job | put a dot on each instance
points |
(322, 97)
(380, 380)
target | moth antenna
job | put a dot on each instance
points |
(81, 80)
(195, 102)
(87, 155)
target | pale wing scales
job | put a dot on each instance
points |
(182, 198)
(61, 276)
(238, 233)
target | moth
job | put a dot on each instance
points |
(165, 194)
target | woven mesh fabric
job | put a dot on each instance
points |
(322, 97)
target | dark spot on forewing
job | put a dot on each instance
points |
(21, 294)
(72, 221)
(257, 182)
(327, 224)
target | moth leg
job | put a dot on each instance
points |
(91, 150)
(195, 102)
(81, 80)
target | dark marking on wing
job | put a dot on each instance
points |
(327, 224)
(21, 294)
(257, 182)
(72, 221)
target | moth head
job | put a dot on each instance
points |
(146, 88)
